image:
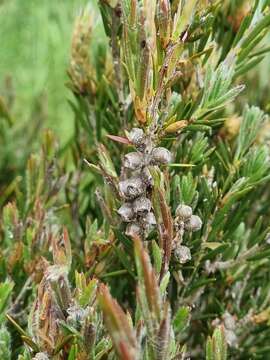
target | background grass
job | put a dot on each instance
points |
(35, 38)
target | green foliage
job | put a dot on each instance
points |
(35, 40)
(5, 291)
(216, 347)
(5, 342)
(181, 319)
(5, 338)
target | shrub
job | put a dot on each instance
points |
(147, 235)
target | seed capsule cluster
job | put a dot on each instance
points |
(184, 221)
(136, 211)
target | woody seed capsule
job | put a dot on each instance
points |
(142, 205)
(182, 254)
(161, 155)
(136, 136)
(132, 188)
(184, 211)
(126, 212)
(194, 223)
(150, 219)
(133, 160)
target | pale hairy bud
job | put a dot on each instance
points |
(184, 211)
(76, 316)
(182, 254)
(142, 205)
(41, 356)
(194, 223)
(133, 160)
(126, 212)
(161, 155)
(57, 277)
(132, 188)
(133, 229)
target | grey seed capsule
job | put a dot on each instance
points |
(182, 254)
(184, 211)
(133, 160)
(142, 205)
(194, 223)
(136, 136)
(132, 188)
(126, 212)
(133, 229)
(150, 218)
(161, 155)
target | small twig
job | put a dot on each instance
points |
(225, 265)
(114, 273)
(242, 290)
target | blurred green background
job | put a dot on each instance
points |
(35, 39)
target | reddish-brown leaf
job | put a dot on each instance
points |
(119, 139)
(166, 232)
(117, 324)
